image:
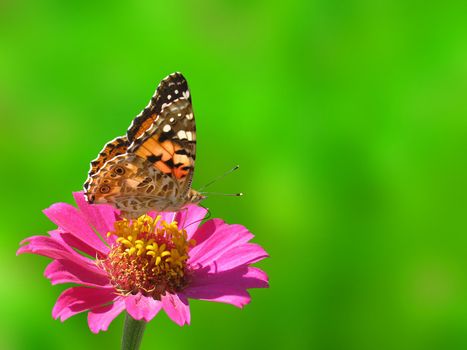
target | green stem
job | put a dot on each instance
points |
(132, 333)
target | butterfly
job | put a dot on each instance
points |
(151, 167)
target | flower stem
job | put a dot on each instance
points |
(132, 333)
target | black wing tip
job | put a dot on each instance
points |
(176, 74)
(175, 77)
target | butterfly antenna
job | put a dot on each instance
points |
(224, 194)
(220, 177)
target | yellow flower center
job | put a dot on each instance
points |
(149, 257)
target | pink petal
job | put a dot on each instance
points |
(78, 299)
(69, 219)
(255, 278)
(82, 268)
(190, 217)
(52, 248)
(218, 293)
(101, 216)
(227, 287)
(141, 307)
(66, 271)
(99, 319)
(152, 214)
(167, 216)
(206, 230)
(241, 277)
(177, 308)
(221, 237)
(72, 241)
(240, 255)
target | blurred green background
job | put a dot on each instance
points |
(349, 121)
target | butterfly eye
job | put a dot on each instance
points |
(119, 170)
(104, 189)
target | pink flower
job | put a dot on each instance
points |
(146, 265)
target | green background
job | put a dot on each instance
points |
(349, 121)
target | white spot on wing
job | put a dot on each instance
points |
(189, 116)
(189, 136)
(169, 96)
(176, 91)
(181, 134)
(166, 128)
(171, 120)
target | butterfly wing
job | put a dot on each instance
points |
(112, 149)
(170, 88)
(170, 144)
(155, 168)
(133, 185)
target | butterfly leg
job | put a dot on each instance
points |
(183, 216)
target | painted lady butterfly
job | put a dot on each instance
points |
(151, 168)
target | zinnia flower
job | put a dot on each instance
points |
(158, 261)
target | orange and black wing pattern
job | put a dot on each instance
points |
(152, 166)
(112, 149)
(170, 143)
(170, 89)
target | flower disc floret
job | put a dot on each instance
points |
(149, 257)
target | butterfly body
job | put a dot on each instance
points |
(151, 168)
